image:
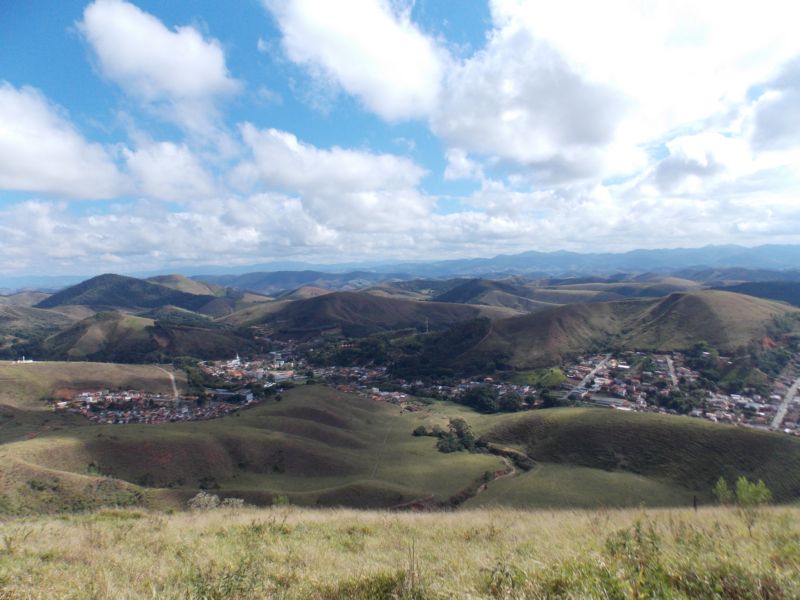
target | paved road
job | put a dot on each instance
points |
(585, 381)
(787, 399)
(672, 375)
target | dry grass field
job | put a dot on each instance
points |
(288, 552)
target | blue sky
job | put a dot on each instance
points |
(155, 136)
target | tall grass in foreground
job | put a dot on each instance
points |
(285, 552)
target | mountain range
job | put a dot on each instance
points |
(777, 258)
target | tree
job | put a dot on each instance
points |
(482, 398)
(722, 491)
(510, 402)
(749, 493)
(749, 497)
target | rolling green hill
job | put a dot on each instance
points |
(781, 291)
(119, 292)
(318, 446)
(362, 313)
(188, 286)
(21, 327)
(121, 337)
(725, 320)
(23, 298)
(620, 451)
(322, 447)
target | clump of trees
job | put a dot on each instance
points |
(486, 399)
(457, 437)
(747, 496)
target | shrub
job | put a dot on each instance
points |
(204, 501)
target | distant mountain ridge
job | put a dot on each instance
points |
(783, 261)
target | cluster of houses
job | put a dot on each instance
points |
(134, 406)
(611, 382)
(275, 368)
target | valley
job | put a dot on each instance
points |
(408, 394)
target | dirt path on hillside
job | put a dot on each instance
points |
(172, 381)
(476, 487)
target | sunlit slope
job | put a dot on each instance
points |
(322, 447)
(188, 286)
(121, 337)
(362, 313)
(317, 446)
(611, 454)
(675, 322)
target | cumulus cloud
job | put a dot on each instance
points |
(777, 112)
(518, 99)
(168, 171)
(146, 234)
(178, 72)
(677, 62)
(353, 189)
(372, 51)
(697, 161)
(460, 166)
(42, 151)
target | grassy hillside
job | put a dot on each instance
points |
(317, 446)
(325, 448)
(23, 298)
(121, 337)
(676, 453)
(255, 313)
(20, 324)
(189, 286)
(650, 288)
(361, 313)
(23, 414)
(723, 319)
(116, 291)
(781, 291)
(280, 281)
(304, 292)
(291, 553)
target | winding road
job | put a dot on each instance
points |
(784, 407)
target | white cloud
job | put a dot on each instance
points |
(576, 90)
(168, 171)
(374, 52)
(678, 62)
(352, 189)
(695, 162)
(518, 99)
(286, 162)
(178, 72)
(776, 117)
(42, 151)
(460, 166)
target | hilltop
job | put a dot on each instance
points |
(781, 291)
(280, 281)
(361, 313)
(676, 322)
(121, 337)
(119, 292)
(182, 283)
